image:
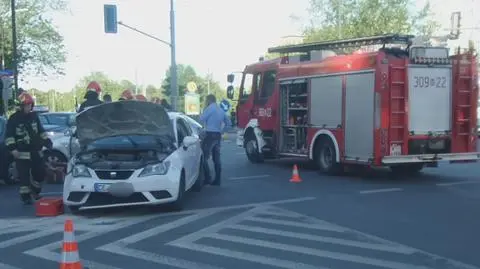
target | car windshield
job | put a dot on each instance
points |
(58, 119)
(127, 141)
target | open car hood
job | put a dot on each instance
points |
(122, 118)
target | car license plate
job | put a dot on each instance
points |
(101, 187)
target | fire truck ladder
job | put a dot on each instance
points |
(463, 96)
(398, 124)
(345, 43)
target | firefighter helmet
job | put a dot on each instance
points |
(94, 87)
(140, 97)
(127, 95)
(25, 99)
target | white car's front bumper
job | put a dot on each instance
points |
(150, 190)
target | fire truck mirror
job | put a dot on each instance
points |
(230, 92)
(230, 78)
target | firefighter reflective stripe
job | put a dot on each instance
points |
(24, 155)
(44, 135)
(24, 189)
(9, 141)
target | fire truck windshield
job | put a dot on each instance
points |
(246, 87)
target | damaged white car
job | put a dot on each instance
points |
(132, 153)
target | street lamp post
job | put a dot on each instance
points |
(173, 64)
(14, 46)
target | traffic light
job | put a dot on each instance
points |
(110, 19)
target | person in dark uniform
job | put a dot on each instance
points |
(107, 98)
(92, 95)
(165, 105)
(25, 138)
(127, 95)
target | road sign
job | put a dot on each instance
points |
(110, 19)
(192, 87)
(192, 104)
(225, 105)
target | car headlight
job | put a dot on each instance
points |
(80, 171)
(155, 169)
(50, 133)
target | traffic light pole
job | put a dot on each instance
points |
(14, 45)
(173, 64)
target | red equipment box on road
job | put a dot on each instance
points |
(49, 207)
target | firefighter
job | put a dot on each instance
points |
(25, 138)
(127, 95)
(92, 95)
(107, 98)
(140, 97)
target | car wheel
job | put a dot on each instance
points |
(200, 179)
(52, 158)
(325, 157)
(12, 176)
(74, 209)
(178, 204)
(251, 149)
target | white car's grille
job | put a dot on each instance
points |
(114, 174)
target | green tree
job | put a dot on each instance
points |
(41, 50)
(336, 19)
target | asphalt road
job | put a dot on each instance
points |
(258, 219)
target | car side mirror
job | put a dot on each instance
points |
(230, 92)
(189, 141)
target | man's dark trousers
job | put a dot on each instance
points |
(211, 146)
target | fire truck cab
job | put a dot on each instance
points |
(401, 106)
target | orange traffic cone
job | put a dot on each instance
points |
(295, 176)
(70, 256)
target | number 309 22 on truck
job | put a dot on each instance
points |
(401, 106)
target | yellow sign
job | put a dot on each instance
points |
(191, 87)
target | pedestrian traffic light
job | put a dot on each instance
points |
(110, 19)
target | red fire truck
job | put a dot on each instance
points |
(402, 106)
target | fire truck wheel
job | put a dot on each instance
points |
(325, 157)
(251, 149)
(407, 169)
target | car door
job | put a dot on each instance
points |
(189, 154)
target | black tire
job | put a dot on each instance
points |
(179, 203)
(200, 179)
(325, 157)
(407, 169)
(55, 156)
(75, 210)
(251, 150)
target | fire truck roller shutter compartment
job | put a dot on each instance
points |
(359, 116)
(430, 99)
(326, 102)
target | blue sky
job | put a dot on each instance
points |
(216, 36)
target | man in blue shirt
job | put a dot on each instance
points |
(215, 122)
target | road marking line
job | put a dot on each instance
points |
(135, 238)
(240, 153)
(331, 240)
(246, 256)
(315, 252)
(6, 266)
(451, 262)
(156, 258)
(458, 183)
(313, 226)
(52, 256)
(249, 177)
(26, 238)
(380, 190)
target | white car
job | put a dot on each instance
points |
(132, 153)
